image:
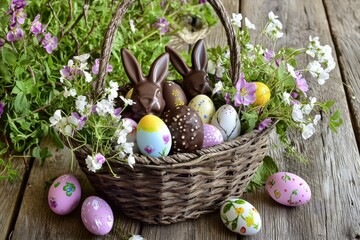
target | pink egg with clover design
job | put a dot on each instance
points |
(97, 216)
(288, 189)
(153, 136)
(64, 194)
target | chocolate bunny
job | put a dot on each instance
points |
(195, 78)
(147, 92)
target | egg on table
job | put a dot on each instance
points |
(97, 216)
(227, 120)
(204, 106)
(288, 189)
(64, 194)
(153, 136)
(240, 216)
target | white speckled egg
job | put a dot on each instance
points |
(97, 215)
(227, 121)
(204, 106)
(288, 189)
(153, 136)
(240, 217)
(131, 137)
(64, 194)
(212, 136)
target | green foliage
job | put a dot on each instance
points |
(267, 168)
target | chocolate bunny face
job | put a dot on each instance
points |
(195, 78)
(147, 92)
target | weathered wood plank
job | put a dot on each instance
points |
(344, 21)
(37, 221)
(10, 196)
(334, 168)
(208, 226)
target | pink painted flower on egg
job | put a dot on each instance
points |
(149, 149)
(166, 138)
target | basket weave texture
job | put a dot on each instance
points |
(185, 185)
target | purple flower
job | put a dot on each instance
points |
(117, 111)
(18, 16)
(162, 25)
(277, 62)
(166, 138)
(148, 149)
(37, 27)
(15, 34)
(245, 92)
(49, 43)
(81, 119)
(294, 94)
(202, 1)
(95, 67)
(301, 83)
(100, 158)
(16, 5)
(2, 42)
(264, 124)
(268, 55)
(227, 98)
(163, 3)
(1, 109)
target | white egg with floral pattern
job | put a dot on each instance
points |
(240, 216)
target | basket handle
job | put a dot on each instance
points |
(114, 25)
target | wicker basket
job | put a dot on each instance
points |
(181, 186)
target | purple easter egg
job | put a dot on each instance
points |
(212, 136)
(97, 215)
(64, 194)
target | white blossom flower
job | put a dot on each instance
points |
(88, 76)
(56, 118)
(82, 58)
(68, 130)
(112, 91)
(132, 25)
(127, 101)
(131, 162)
(128, 147)
(236, 19)
(215, 69)
(68, 93)
(316, 119)
(249, 47)
(297, 114)
(318, 72)
(218, 87)
(248, 24)
(291, 70)
(307, 108)
(274, 26)
(81, 103)
(105, 107)
(307, 130)
(95, 163)
(286, 98)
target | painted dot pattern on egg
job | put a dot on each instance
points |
(203, 106)
(212, 136)
(186, 129)
(173, 95)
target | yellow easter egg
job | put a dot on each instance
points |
(262, 94)
(204, 106)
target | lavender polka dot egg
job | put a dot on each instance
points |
(288, 189)
(97, 215)
(64, 194)
(212, 136)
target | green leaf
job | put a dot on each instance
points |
(327, 105)
(227, 207)
(335, 121)
(249, 121)
(240, 201)
(21, 103)
(234, 223)
(9, 56)
(268, 168)
(41, 154)
(56, 138)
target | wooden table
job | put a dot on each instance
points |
(333, 172)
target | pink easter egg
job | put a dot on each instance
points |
(212, 136)
(288, 189)
(97, 216)
(64, 194)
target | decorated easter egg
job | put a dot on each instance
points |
(204, 106)
(173, 95)
(186, 129)
(240, 216)
(212, 136)
(64, 194)
(131, 137)
(97, 216)
(153, 136)
(227, 121)
(288, 189)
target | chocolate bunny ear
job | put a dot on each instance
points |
(177, 61)
(159, 69)
(132, 67)
(199, 56)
